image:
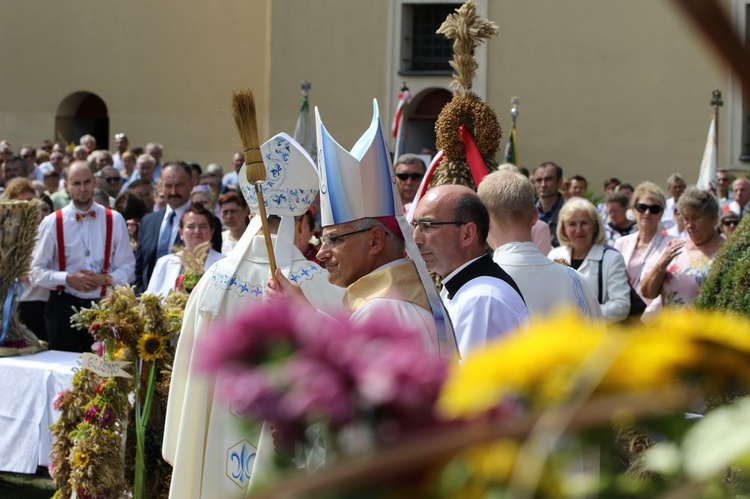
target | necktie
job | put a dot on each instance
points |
(166, 237)
(83, 216)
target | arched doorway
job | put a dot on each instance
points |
(83, 113)
(420, 116)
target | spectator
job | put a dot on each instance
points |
(132, 209)
(145, 192)
(642, 249)
(547, 180)
(581, 235)
(675, 187)
(15, 166)
(724, 180)
(683, 265)
(196, 228)
(121, 147)
(728, 222)
(741, 192)
(128, 159)
(230, 180)
(88, 271)
(619, 225)
(89, 143)
(236, 214)
(155, 151)
(610, 185)
(112, 180)
(409, 170)
(578, 186)
(159, 230)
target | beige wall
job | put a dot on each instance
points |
(607, 88)
(165, 69)
(340, 47)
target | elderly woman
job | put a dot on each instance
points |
(581, 235)
(196, 228)
(642, 249)
(683, 265)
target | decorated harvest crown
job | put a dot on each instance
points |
(358, 183)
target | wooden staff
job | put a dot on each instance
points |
(243, 110)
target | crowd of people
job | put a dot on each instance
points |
(523, 245)
(659, 246)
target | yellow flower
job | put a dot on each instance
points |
(550, 360)
(80, 459)
(151, 347)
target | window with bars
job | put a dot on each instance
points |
(423, 50)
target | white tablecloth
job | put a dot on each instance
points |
(28, 385)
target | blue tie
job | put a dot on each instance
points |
(165, 238)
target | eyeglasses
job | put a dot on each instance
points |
(333, 240)
(112, 180)
(727, 223)
(413, 176)
(654, 209)
(28, 155)
(426, 226)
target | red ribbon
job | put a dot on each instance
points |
(476, 163)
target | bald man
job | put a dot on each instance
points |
(72, 260)
(450, 228)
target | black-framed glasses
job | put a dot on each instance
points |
(727, 223)
(112, 180)
(413, 176)
(654, 209)
(427, 225)
(333, 240)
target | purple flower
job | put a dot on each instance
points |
(107, 418)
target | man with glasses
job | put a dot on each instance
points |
(112, 181)
(365, 240)
(409, 171)
(484, 303)
(546, 285)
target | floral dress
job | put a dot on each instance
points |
(684, 277)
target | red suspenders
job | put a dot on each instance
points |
(61, 245)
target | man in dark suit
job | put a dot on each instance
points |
(158, 232)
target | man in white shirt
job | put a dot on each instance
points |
(484, 303)
(741, 191)
(83, 250)
(546, 286)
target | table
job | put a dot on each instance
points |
(28, 385)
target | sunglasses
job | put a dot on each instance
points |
(413, 176)
(112, 180)
(727, 223)
(654, 209)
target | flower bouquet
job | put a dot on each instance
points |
(117, 400)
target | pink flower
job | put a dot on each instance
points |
(107, 418)
(59, 398)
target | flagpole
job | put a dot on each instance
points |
(716, 102)
(399, 122)
(511, 152)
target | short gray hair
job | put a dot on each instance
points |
(410, 159)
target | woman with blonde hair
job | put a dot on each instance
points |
(581, 234)
(642, 249)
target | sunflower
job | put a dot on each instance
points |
(80, 459)
(151, 347)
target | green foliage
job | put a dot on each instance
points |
(726, 287)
